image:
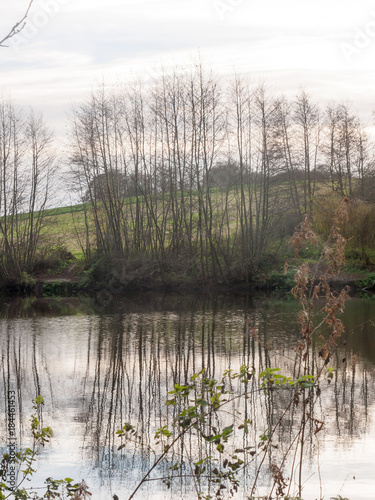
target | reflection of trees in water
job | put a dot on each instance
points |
(351, 396)
(31, 307)
(24, 370)
(11, 377)
(135, 359)
(132, 360)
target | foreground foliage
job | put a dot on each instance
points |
(23, 464)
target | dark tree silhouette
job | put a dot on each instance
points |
(17, 27)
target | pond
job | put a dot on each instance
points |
(98, 367)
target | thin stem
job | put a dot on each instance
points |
(191, 469)
(17, 27)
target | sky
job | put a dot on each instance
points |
(70, 46)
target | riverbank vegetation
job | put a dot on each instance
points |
(186, 181)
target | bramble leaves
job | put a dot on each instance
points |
(271, 380)
(55, 488)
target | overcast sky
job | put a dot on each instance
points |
(68, 46)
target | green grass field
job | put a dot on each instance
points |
(65, 226)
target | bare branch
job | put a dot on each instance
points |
(17, 27)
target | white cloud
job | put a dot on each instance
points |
(288, 43)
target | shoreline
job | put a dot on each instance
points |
(72, 286)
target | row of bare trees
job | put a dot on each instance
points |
(163, 143)
(26, 167)
(206, 175)
(188, 176)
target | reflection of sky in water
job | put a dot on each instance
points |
(96, 372)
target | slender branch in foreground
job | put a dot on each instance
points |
(17, 27)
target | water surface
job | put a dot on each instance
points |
(98, 367)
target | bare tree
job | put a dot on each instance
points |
(288, 150)
(17, 27)
(347, 150)
(306, 117)
(27, 160)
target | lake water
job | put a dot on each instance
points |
(99, 367)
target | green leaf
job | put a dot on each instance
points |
(307, 385)
(227, 430)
